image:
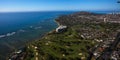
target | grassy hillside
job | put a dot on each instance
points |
(74, 44)
(85, 35)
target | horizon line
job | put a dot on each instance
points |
(55, 10)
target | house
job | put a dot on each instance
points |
(61, 29)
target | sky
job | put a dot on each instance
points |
(58, 5)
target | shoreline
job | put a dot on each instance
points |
(15, 37)
(29, 42)
(50, 37)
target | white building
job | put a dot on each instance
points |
(61, 28)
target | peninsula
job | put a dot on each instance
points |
(80, 36)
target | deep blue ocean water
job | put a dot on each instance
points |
(14, 21)
(18, 28)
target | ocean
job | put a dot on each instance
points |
(18, 28)
(13, 21)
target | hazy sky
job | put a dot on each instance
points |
(57, 5)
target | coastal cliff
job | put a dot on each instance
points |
(86, 38)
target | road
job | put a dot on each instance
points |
(108, 51)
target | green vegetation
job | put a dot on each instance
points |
(86, 32)
(70, 45)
